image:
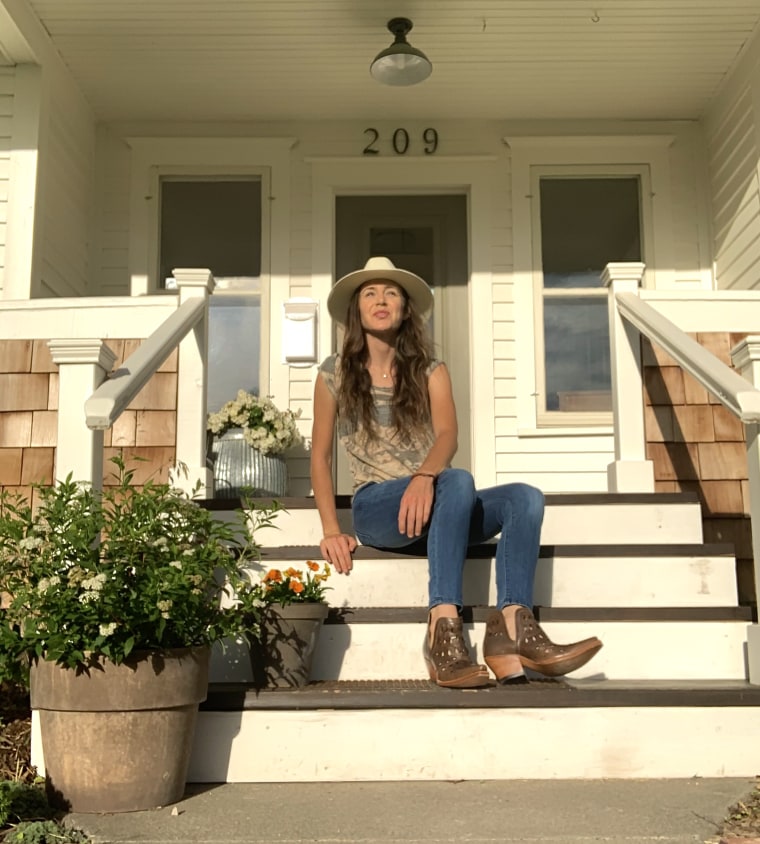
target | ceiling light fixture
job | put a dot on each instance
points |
(400, 64)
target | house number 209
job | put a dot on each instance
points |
(400, 141)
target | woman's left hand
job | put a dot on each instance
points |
(416, 505)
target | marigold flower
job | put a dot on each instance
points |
(296, 586)
(312, 565)
(291, 572)
(273, 575)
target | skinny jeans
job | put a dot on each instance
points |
(461, 516)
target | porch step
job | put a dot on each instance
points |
(567, 575)
(412, 730)
(570, 519)
(678, 644)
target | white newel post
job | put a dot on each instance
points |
(631, 471)
(746, 358)
(83, 365)
(191, 388)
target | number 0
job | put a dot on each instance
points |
(400, 141)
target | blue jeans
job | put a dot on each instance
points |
(461, 516)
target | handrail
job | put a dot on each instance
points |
(732, 390)
(106, 404)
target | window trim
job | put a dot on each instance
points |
(645, 156)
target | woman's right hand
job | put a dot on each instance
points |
(337, 549)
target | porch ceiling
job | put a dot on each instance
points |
(241, 60)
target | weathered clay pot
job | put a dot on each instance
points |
(117, 738)
(282, 655)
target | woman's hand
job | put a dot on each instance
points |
(416, 505)
(337, 549)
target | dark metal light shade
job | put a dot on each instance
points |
(400, 64)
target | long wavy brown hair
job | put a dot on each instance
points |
(410, 408)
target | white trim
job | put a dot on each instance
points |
(645, 155)
(471, 175)
(265, 157)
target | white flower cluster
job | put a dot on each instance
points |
(265, 428)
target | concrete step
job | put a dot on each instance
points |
(675, 644)
(412, 730)
(579, 519)
(566, 576)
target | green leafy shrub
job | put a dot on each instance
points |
(19, 802)
(131, 568)
(44, 832)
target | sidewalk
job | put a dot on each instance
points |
(483, 812)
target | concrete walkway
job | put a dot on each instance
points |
(484, 812)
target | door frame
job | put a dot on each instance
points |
(417, 175)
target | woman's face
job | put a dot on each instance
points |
(382, 306)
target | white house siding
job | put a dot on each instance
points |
(732, 129)
(6, 119)
(554, 461)
(67, 167)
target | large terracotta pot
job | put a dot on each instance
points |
(117, 738)
(282, 655)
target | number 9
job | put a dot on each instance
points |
(430, 136)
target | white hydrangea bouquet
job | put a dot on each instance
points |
(265, 427)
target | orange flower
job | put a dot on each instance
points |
(296, 586)
(312, 565)
(291, 572)
(274, 575)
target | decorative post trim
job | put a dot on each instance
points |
(746, 358)
(630, 471)
(192, 378)
(83, 365)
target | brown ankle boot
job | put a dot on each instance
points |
(448, 660)
(533, 647)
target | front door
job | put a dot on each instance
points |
(428, 236)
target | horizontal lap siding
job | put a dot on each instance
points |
(733, 159)
(6, 120)
(68, 193)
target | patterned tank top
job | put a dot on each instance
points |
(385, 457)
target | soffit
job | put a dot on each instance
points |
(230, 60)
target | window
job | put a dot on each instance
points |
(217, 223)
(585, 222)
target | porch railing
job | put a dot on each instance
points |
(630, 319)
(84, 365)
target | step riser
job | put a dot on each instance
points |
(328, 746)
(595, 524)
(640, 650)
(560, 582)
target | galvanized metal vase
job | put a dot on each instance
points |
(239, 468)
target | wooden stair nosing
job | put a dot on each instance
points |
(470, 614)
(486, 550)
(537, 694)
(562, 499)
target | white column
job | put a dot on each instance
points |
(746, 358)
(631, 471)
(82, 367)
(191, 389)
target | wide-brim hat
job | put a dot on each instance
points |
(378, 269)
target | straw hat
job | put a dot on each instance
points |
(378, 269)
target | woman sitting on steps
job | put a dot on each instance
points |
(392, 404)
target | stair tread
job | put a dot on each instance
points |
(486, 550)
(381, 615)
(537, 693)
(561, 499)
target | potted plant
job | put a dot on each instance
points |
(249, 438)
(285, 609)
(113, 600)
